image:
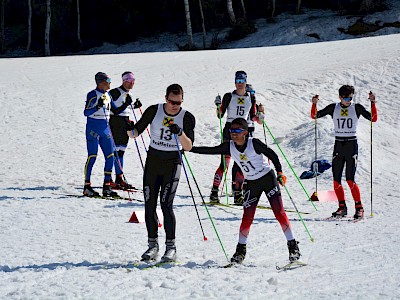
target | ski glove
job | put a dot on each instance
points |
(371, 97)
(249, 88)
(218, 100)
(130, 125)
(261, 116)
(137, 103)
(281, 179)
(175, 129)
(128, 100)
(100, 103)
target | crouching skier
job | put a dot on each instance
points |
(251, 155)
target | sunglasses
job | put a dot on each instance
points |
(240, 80)
(108, 80)
(130, 80)
(347, 99)
(174, 102)
(236, 130)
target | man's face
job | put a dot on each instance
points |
(238, 134)
(128, 84)
(105, 85)
(240, 84)
(174, 103)
(346, 100)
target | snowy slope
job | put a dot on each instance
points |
(59, 247)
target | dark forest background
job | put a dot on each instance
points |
(69, 29)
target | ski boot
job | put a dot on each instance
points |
(214, 195)
(121, 184)
(359, 211)
(88, 191)
(294, 252)
(238, 198)
(108, 192)
(152, 252)
(170, 251)
(240, 254)
(113, 184)
(341, 211)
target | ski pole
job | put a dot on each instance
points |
(370, 92)
(190, 188)
(223, 157)
(273, 138)
(205, 205)
(314, 197)
(134, 115)
(138, 151)
(141, 113)
(301, 218)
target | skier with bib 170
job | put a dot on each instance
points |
(97, 110)
(251, 155)
(237, 104)
(345, 117)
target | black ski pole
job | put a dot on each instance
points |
(205, 205)
(190, 188)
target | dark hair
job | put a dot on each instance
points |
(175, 89)
(346, 90)
(127, 72)
(241, 122)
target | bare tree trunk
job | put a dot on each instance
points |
(188, 24)
(28, 46)
(202, 24)
(244, 9)
(298, 6)
(367, 5)
(47, 30)
(231, 12)
(78, 12)
(2, 34)
(273, 8)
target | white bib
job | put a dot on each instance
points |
(253, 165)
(121, 100)
(239, 107)
(102, 113)
(345, 121)
(161, 137)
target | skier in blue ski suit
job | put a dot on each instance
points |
(97, 111)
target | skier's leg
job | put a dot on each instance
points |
(107, 146)
(151, 187)
(92, 144)
(338, 162)
(167, 194)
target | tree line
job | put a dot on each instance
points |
(51, 27)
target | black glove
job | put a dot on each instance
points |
(100, 103)
(137, 103)
(175, 129)
(130, 125)
(128, 100)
